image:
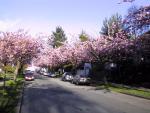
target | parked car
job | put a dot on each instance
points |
(46, 73)
(52, 75)
(67, 76)
(27, 71)
(81, 79)
(29, 76)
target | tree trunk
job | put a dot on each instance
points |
(17, 69)
(20, 71)
(4, 83)
(105, 79)
(4, 80)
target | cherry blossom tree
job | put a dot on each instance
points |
(138, 20)
(128, 0)
(101, 49)
(18, 48)
(6, 48)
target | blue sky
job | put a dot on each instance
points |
(73, 15)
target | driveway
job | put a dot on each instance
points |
(49, 95)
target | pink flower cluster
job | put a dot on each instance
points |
(100, 49)
(139, 18)
(16, 46)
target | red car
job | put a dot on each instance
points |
(29, 76)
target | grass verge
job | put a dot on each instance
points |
(10, 95)
(130, 91)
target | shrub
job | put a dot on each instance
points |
(9, 69)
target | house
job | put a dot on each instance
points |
(84, 69)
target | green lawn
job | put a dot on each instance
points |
(130, 91)
(10, 95)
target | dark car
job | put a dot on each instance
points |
(67, 76)
(81, 79)
(29, 76)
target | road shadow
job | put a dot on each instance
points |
(55, 99)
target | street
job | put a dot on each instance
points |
(49, 95)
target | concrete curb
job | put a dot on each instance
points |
(131, 87)
(123, 93)
(19, 105)
(135, 95)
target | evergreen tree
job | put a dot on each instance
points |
(58, 37)
(83, 36)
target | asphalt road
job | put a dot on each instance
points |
(48, 95)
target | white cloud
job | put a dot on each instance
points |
(8, 25)
(72, 30)
(13, 25)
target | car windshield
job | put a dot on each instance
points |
(29, 75)
(28, 71)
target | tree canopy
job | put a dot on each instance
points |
(138, 20)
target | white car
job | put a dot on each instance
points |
(52, 75)
(46, 73)
(67, 76)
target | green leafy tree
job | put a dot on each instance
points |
(104, 29)
(58, 37)
(112, 25)
(83, 36)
